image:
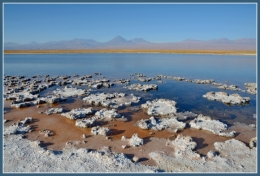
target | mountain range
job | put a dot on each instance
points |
(138, 43)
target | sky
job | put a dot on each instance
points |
(24, 23)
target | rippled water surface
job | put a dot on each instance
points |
(230, 69)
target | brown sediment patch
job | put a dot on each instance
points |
(244, 132)
(204, 139)
(65, 130)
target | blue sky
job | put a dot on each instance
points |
(24, 23)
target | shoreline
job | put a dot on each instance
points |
(213, 52)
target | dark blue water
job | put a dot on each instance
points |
(231, 68)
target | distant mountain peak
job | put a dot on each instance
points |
(117, 40)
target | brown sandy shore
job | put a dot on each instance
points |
(221, 52)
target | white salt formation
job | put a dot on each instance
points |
(159, 124)
(234, 156)
(232, 99)
(54, 111)
(104, 131)
(160, 107)
(206, 81)
(134, 141)
(106, 114)
(251, 88)
(213, 126)
(78, 113)
(140, 87)
(23, 156)
(69, 92)
(114, 100)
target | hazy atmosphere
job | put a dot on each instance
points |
(158, 23)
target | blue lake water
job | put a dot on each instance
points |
(230, 69)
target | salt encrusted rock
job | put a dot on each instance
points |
(49, 99)
(46, 132)
(253, 142)
(206, 81)
(96, 99)
(104, 131)
(106, 114)
(122, 81)
(54, 111)
(21, 96)
(78, 113)
(151, 123)
(184, 115)
(114, 100)
(183, 145)
(16, 104)
(36, 143)
(97, 85)
(225, 86)
(213, 126)
(251, 88)
(135, 159)
(178, 78)
(140, 87)
(159, 124)
(121, 101)
(25, 121)
(70, 91)
(80, 82)
(86, 123)
(17, 128)
(134, 140)
(160, 107)
(232, 99)
(144, 79)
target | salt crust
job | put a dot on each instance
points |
(214, 126)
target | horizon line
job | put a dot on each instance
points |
(131, 39)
